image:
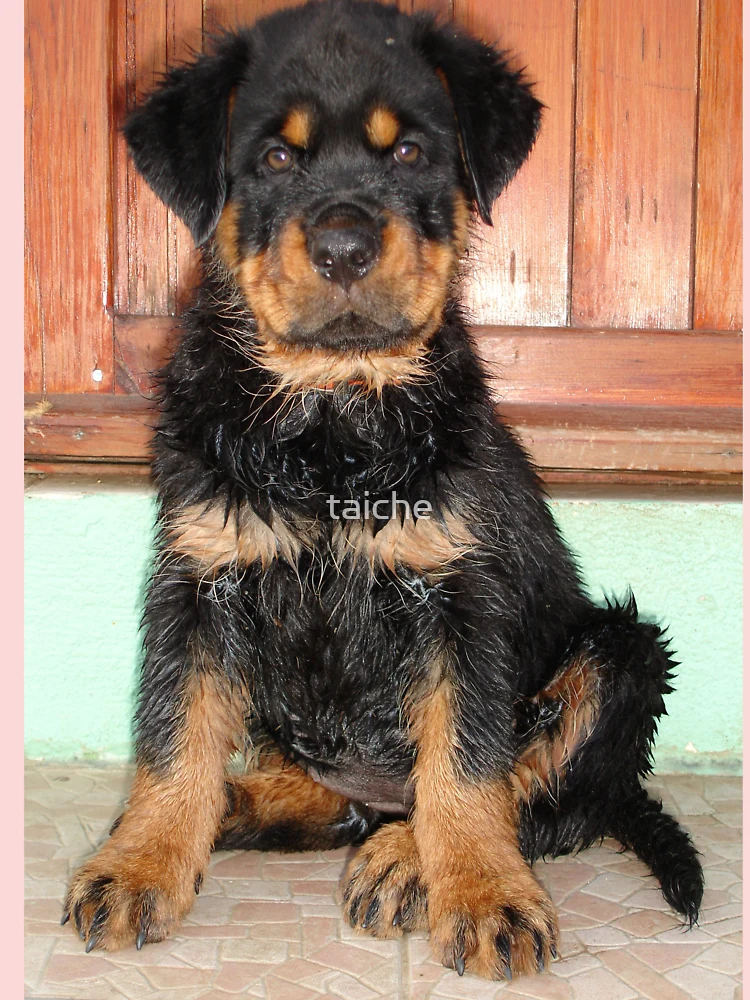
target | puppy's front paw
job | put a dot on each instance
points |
(384, 893)
(120, 898)
(494, 927)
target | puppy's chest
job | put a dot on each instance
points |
(335, 658)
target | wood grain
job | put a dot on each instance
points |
(589, 440)
(88, 427)
(232, 13)
(68, 177)
(635, 130)
(519, 268)
(142, 346)
(155, 255)
(615, 367)
(718, 223)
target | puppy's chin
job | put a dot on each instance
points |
(351, 332)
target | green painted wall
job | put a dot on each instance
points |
(87, 561)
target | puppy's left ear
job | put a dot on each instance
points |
(496, 113)
(178, 135)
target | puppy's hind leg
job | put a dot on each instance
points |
(278, 807)
(586, 752)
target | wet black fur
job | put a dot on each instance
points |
(328, 653)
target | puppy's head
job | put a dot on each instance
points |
(333, 153)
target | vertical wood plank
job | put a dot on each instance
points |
(231, 13)
(155, 251)
(519, 273)
(33, 342)
(149, 292)
(68, 178)
(635, 145)
(442, 9)
(718, 224)
(184, 37)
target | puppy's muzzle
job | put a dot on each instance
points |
(344, 247)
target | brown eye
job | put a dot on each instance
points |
(407, 153)
(279, 159)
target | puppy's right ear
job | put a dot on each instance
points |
(178, 134)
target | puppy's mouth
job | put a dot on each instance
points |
(350, 332)
(335, 295)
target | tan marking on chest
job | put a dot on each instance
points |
(205, 535)
(426, 545)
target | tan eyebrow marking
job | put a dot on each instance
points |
(297, 129)
(382, 128)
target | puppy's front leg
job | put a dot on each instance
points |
(486, 910)
(190, 719)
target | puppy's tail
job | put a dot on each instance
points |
(641, 825)
(598, 716)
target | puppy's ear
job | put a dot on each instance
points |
(496, 112)
(178, 134)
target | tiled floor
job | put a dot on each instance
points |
(269, 926)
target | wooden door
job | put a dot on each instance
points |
(607, 296)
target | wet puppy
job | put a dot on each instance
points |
(358, 580)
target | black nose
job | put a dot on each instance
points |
(344, 254)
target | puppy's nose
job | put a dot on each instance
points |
(344, 254)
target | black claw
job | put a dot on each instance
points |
(141, 939)
(553, 951)
(92, 943)
(99, 917)
(503, 946)
(508, 973)
(539, 951)
(396, 922)
(354, 906)
(198, 882)
(370, 914)
(65, 918)
(460, 965)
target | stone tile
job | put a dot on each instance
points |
(596, 938)
(722, 957)
(36, 953)
(599, 910)
(566, 876)
(256, 888)
(716, 878)
(649, 899)
(641, 977)
(130, 983)
(269, 912)
(720, 913)
(613, 886)
(349, 958)
(43, 909)
(647, 923)
(350, 988)
(468, 987)
(171, 978)
(599, 984)
(544, 987)
(245, 864)
(584, 961)
(75, 968)
(236, 977)
(703, 984)
(268, 926)
(280, 989)
(247, 950)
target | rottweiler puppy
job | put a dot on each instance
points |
(358, 581)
